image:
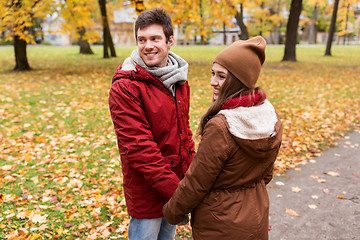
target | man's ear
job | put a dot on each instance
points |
(171, 41)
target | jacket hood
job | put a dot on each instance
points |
(257, 130)
(120, 73)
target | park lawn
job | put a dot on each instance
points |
(59, 166)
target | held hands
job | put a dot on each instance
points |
(185, 221)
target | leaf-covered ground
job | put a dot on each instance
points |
(60, 172)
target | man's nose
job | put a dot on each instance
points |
(148, 45)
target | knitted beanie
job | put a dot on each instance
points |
(244, 59)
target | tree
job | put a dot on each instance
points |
(291, 31)
(239, 17)
(357, 28)
(83, 42)
(332, 28)
(312, 29)
(16, 19)
(346, 18)
(277, 32)
(107, 39)
(79, 22)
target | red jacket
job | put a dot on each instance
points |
(154, 139)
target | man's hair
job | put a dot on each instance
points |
(155, 16)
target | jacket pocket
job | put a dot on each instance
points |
(172, 160)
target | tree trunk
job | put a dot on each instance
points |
(239, 17)
(202, 39)
(291, 31)
(108, 43)
(261, 20)
(83, 43)
(332, 29)
(224, 34)
(20, 55)
(277, 33)
(312, 29)
(111, 43)
(346, 24)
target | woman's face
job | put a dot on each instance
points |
(219, 74)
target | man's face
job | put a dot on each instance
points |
(152, 45)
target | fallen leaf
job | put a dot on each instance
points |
(21, 215)
(67, 225)
(322, 180)
(23, 232)
(53, 199)
(340, 196)
(292, 212)
(8, 167)
(43, 227)
(9, 179)
(34, 236)
(314, 196)
(12, 235)
(105, 233)
(10, 215)
(92, 236)
(296, 189)
(312, 206)
(334, 174)
(37, 218)
(279, 183)
(121, 228)
(326, 190)
(81, 227)
(88, 225)
(314, 177)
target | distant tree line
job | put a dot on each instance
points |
(21, 21)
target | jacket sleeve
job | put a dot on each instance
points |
(190, 137)
(207, 163)
(269, 173)
(137, 147)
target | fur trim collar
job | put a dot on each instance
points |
(252, 123)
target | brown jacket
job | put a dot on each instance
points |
(225, 186)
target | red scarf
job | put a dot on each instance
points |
(245, 101)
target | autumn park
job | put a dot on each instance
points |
(60, 170)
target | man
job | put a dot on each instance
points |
(149, 105)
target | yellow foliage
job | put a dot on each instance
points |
(19, 15)
(77, 14)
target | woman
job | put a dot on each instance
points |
(225, 186)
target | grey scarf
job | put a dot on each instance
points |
(175, 71)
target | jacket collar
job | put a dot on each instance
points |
(140, 74)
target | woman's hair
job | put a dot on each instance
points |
(155, 16)
(232, 87)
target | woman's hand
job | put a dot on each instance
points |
(185, 221)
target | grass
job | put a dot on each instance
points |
(59, 166)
